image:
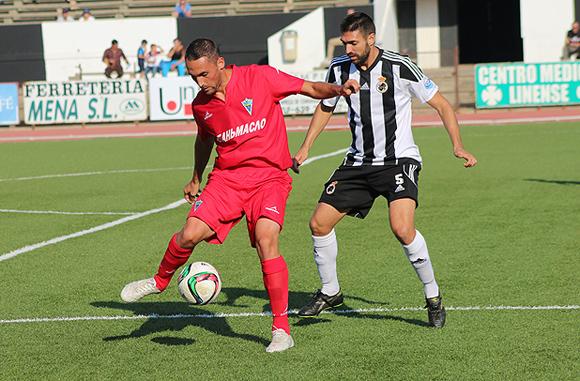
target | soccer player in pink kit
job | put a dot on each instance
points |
(238, 109)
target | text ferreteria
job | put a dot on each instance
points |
(82, 88)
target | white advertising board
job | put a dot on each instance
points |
(303, 105)
(84, 101)
(170, 98)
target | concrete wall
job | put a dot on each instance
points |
(544, 28)
(310, 44)
(385, 18)
(66, 45)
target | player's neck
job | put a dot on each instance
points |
(226, 75)
(371, 59)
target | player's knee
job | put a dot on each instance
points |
(404, 232)
(188, 238)
(317, 228)
(266, 243)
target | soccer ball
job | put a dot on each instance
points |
(199, 283)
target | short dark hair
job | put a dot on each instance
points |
(358, 21)
(144, 42)
(114, 42)
(202, 47)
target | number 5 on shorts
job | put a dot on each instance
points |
(399, 179)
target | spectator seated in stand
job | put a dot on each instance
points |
(176, 59)
(86, 15)
(63, 15)
(112, 58)
(182, 9)
(572, 43)
(153, 61)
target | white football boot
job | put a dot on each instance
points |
(136, 290)
(280, 341)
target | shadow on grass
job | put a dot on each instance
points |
(559, 182)
(218, 324)
(296, 299)
(358, 315)
(153, 325)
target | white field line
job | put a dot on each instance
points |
(95, 229)
(67, 213)
(267, 314)
(324, 156)
(132, 217)
(113, 171)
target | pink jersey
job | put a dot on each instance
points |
(249, 127)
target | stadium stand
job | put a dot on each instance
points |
(34, 11)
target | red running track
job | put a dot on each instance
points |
(146, 129)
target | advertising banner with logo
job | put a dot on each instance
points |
(303, 105)
(170, 98)
(525, 85)
(9, 104)
(84, 101)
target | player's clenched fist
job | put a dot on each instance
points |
(349, 87)
(191, 191)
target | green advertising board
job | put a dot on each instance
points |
(527, 84)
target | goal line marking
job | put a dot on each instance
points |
(267, 314)
(173, 205)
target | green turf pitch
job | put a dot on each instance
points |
(505, 233)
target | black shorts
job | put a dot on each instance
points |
(354, 189)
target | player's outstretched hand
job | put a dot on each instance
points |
(349, 87)
(295, 166)
(470, 160)
(191, 191)
(299, 158)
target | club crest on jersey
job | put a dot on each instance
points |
(247, 103)
(197, 205)
(382, 86)
(331, 187)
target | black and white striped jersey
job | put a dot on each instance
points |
(379, 114)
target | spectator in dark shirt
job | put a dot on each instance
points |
(112, 58)
(572, 47)
(176, 59)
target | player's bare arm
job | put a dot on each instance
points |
(203, 148)
(447, 115)
(324, 90)
(318, 122)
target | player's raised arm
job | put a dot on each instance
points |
(447, 115)
(203, 147)
(319, 120)
(323, 90)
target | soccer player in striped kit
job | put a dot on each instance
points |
(238, 110)
(382, 160)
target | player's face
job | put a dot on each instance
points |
(358, 46)
(207, 73)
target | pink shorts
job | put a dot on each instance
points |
(229, 195)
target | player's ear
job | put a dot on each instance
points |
(371, 39)
(221, 62)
